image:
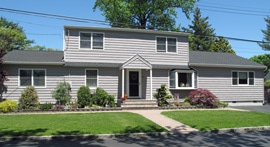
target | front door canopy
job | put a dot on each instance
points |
(136, 62)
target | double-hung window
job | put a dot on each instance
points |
(182, 79)
(166, 44)
(90, 40)
(242, 78)
(32, 77)
(91, 78)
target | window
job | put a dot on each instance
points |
(97, 41)
(91, 78)
(91, 40)
(85, 40)
(32, 77)
(181, 79)
(242, 78)
(165, 44)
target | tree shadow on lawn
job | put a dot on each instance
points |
(9, 132)
(138, 129)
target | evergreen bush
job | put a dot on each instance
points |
(162, 95)
(8, 106)
(46, 106)
(29, 99)
(267, 83)
(84, 97)
(62, 93)
(102, 98)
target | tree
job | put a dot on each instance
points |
(12, 36)
(203, 37)
(266, 40)
(144, 14)
(3, 75)
(262, 59)
(202, 34)
(221, 45)
(40, 48)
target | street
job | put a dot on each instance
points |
(258, 139)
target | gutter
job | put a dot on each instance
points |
(33, 63)
(228, 66)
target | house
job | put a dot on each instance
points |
(133, 62)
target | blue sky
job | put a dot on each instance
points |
(231, 18)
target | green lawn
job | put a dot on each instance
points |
(217, 119)
(74, 124)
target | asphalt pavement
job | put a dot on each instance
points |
(264, 108)
(229, 139)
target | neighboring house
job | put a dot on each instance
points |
(133, 62)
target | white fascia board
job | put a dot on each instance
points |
(227, 66)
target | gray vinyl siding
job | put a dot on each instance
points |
(219, 82)
(54, 75)
(120, 46)
(160, 76)
(108, 79)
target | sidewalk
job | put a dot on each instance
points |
(167, 123)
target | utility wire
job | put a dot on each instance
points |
(235, 9)
(69, 18)
(76, 19)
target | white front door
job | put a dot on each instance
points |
(134, 83)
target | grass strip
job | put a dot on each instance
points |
(75, 124)
(218, 119)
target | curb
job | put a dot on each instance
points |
(241, 130)
(85, 137)
(130, 135)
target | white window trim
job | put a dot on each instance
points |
(167, 45)
(85, 78)
(238, 78)
(176, 79)
(32, 77)
(91, 40)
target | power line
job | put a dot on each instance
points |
(211, 3)
(76, 19)
(62, 17)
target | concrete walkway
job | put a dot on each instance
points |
(167, 123)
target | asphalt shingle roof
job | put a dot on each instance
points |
(196, 58)
(216, 58)
(27, 56)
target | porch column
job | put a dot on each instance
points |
(123, 82)
(151, 88)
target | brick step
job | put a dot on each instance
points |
(139, 104)
(139, 108)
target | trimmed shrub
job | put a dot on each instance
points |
(84, 97)
(46, 106)
(8, 106)
(29, 99)
(162, 95)
(267, 83)
(62, 93)
(202, 97)
(102, 98)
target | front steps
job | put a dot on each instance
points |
(139, 104)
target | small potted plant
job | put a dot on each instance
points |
(123, 98)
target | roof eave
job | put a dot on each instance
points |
(128, 30)
(227, 66)
(33, 63)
